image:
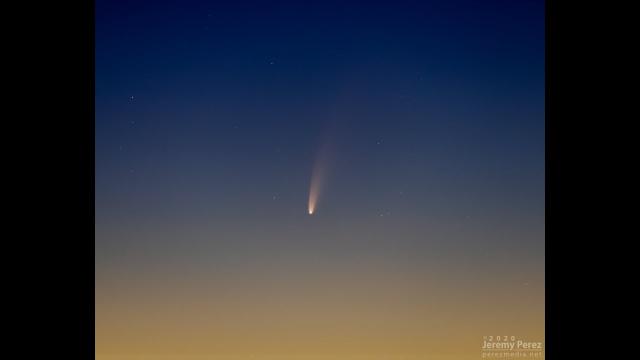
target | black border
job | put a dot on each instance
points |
(52, 242)
(49, 136)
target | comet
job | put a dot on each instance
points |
(318, 176)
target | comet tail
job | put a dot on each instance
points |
(318, 175)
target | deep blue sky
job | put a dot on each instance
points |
(212, 113)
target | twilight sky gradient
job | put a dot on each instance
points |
(429, 230)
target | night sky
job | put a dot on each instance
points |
(427, 121)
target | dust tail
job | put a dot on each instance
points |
(319, 174)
